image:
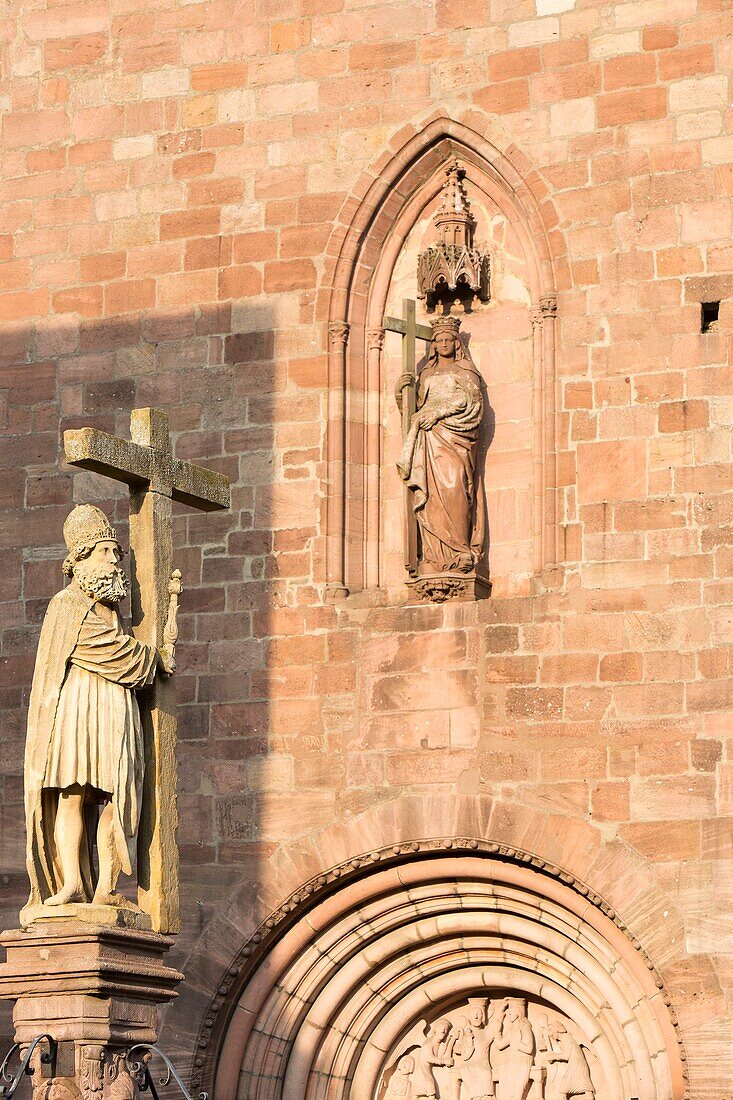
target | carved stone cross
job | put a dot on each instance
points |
(410, 332)
(155, 479)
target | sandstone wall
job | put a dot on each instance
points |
(172, 175)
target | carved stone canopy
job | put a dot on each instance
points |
(452, 268)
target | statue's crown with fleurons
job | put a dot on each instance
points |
(448, 323)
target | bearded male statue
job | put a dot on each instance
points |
(84, 748)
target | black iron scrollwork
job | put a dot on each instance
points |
(48, 1057)
(137, 1061)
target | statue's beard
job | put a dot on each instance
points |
(109, 585)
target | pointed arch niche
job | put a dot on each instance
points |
(368, 262)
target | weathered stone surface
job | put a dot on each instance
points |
(610, 125)
(95, 991)
(155, 480)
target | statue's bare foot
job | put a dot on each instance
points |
(111, 897)
(105, 895)
(67, 894)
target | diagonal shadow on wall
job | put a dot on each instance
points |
(213, 371)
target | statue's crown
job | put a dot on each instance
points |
(446, 324)
(86, 526)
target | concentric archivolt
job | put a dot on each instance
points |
(335, 983)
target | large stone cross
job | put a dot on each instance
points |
(410, 332)
(155, 479)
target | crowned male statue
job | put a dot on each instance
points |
(84, 749)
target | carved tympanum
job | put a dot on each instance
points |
(439, 465)
(498, 1047)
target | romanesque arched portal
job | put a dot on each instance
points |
(403, 970)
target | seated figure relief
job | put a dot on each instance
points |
(492, 1048)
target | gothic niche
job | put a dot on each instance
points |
(460, 502)
(446, 188)
(452, 270)
(493, 1047)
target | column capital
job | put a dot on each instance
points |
(338, 332)
(375, 339)
(548, 305)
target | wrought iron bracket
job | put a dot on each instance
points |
(137, 1060)
(48, 1057)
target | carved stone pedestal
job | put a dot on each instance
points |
(439, 587)
(96, 992)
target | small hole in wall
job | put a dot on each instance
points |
(709, 316)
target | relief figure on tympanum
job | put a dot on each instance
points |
(473, 1049)
(516, 1048)
(493, 1048)
(84, 748)
(436, 1050)
(399, 1087)
(439, 462)
(568, 1074)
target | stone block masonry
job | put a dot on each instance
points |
(172, 176)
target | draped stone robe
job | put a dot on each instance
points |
(439, 465)
(83, 728)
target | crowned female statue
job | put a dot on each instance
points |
(439, 465)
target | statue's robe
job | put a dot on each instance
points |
(439, 465)
(518, 1047)
(83, 728)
